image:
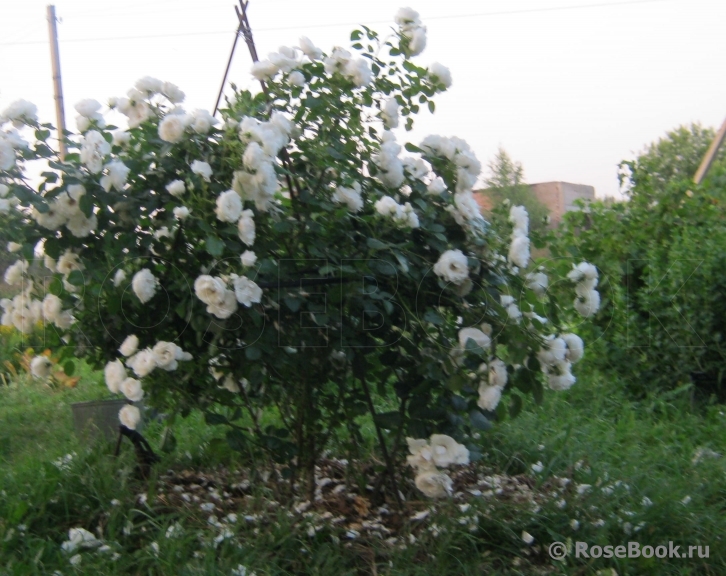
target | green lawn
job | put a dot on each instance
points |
(651, 468)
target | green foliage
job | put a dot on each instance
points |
(661, 260)
(344, 304)
(506, 182)
(624, 449)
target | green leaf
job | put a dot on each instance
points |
(168, 440)
(76, 278)
(253, 353)
(204, 226)
(56, 286)
(434, 317)
(479, 421)
(42, 134)
(69, 368)
(236, 440)
(375, 244)
(356, 35)
(321, 319)
(86, 205)
(292, 303)
(214, 419)
(515, 407)
(388, 420)
(18, 512)
(458, 403)
(214, 246)
(181, 309)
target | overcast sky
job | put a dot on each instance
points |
(568, 87)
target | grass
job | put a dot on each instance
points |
(639, 460)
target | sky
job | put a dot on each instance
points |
(569, 88)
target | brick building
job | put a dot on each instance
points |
(558, 197)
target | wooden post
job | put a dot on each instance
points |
(57, 85)
(710, 155)
(226, 72)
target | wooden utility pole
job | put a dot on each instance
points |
(710, 155)
(57, 85)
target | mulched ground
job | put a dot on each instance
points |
(353, 513)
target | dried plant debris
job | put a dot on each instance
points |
(345, 506)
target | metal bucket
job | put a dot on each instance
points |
(98, 419)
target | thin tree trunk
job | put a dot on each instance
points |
(382, 442)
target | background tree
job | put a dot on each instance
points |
(661, 259)
(506, 182)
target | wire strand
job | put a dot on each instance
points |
(257, 30)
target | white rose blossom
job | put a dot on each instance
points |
(226, 307)
(390, 166)
(119, 277)
(434, 484)
(411, 28)
(248, 258)
(498, 373)
(246, 291)
(296, 78)
(117, 173)
(202, 121)
(68, 262)
(52, 307)
(93, 151)
(519, 217)
(149, 85)
(166, 355)
(575, 347)
(246, 227)
(40, 366)
(229, 206)
(389, 113)
(142, 363)
(589, 304)
(19, 113)
(440, 74)
(537, 282)
(176, 188)
(114, 374)
(209, 290)
(129, 346)
(489, 396)
(14, 272)
(264, 70)
(129, 416)
(309, 49)
(144, 285)
(79, 538)
(436, 187)
(452, 266)
(482, 340)
(203, 169)
(172, 127)
(446, 451)
(172, 93)
(351, 197)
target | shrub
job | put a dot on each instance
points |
(661, 260)
(372, 276)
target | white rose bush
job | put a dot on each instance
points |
(293, 258)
